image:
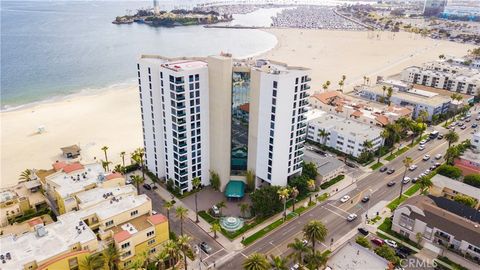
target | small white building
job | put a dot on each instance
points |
(345, 135)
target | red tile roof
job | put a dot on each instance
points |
(35, 221)
(114, 176)
(121, 236)
(357, 113)
(73, 167)
(57, 166)
(245, 107)
(157, 219)
(325, 97)
(382, 119)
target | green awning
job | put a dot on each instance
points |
(235, 189)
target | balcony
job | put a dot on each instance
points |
(308, 79)
(180, 97)
(183, 158)
(307, 87)
(182, 129)
(182, 144)
(181, 113)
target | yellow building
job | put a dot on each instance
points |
(123, 220)
(443, 186)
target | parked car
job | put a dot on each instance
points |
(474, 125)
(351, 217)
(295, 267)
(390, 184)
(366, 199)
(205, 247)
(391, 243)
(422, 142)
(433, 167)
(154, 187)
(427, 171)
(400, 254)
(390, 171)
(412, 167)
(421, 147)
(345, 198)
(363, 231)
(215, 210)
(414, 180)
(377, 241)
(463, 127)
(309, 148)
(440, 136)
(404, 250)
(406, 180)
(351, 165)
(383, 169)
(147, 186)
(438, 156)
(437, 164)
(426, 157)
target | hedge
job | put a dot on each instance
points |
(332, 182)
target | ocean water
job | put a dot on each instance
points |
(55, 48)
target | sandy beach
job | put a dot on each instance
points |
(112, 118)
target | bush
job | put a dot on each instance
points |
(215, 180)
(132, 167)
(466, 200)
(309, 170)
(387, 253)
(300, 182)
(265, 201)
(362, 241)
(472, 180)
(449, 171)
(208, 218)
(332, 182)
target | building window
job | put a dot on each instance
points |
(109, 223)
(133, 213)
(73, 264)
(151, 242)
(125, 245)
(149, 234)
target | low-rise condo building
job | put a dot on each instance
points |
(443, 75)
(21, 199)
(70, 179)
(449, 188)
(415, 99)
(373, 114)
(222, 115)
(125, 221)
(441, 222)
(343, 134)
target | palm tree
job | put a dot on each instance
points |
(367, 146)
(105, 165)
(451, 137)
(168, 205)
(389, 95)
(311, 187)
(215, 228)
(256, 261)
(110, 256)
(364, 79)
(384, 134)
(104, 149)
(315, 231)
(424, 183)
(283, 194)
(340, 84)
(243, 208)
(407, 161)
(384, 88)
(122, 155)
(160, 258)
(181, 213)
(220, 206)
(316, 259)
(323, 134)
(451, 154)
(119, 168)
(92, 262)
(183, 243)
(137, 180)
(196, 183)
(171, 247)
(294, 193)
(299, 249)
(26, 175)
(278, 263)
(138, 156)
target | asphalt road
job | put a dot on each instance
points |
(333, 213)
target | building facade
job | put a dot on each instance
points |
(433, 7)
(220, 114)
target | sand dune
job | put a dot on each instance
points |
(113, 117)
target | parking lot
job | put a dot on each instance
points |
(317, 156)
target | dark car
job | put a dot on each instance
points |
(404, 249)
(205, 247)
(390, 171)
(474, 125)
(366, 199)
(391, 184)
(400, 254)
(351, 165)
(147, 186)
(363, 231)
(154, 187)
(440, 137)
(383, 169)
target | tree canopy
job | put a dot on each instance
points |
(472, 180)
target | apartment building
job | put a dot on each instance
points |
(449, 188)
(220, 114)
(441, 222)
(433, 7)
(373, 114)
(343, 134)
(443, 75)
(415, 99)
(125, 221)
(70, 179)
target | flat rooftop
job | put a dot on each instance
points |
(353, 256)
(185, 65)
(342, 125)
(328, 164)
(94, 196)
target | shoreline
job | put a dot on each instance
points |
(111, 116)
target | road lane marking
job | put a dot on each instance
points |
(338, 208)
(334, 212)
(212, 253)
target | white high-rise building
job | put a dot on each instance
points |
(222, 115)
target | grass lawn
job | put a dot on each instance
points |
(376, 166)
(386, 225)
(412, 190)
(332, 182)
(398, 153)
(254, 237)
(322, 197)
(374, 220)
(395, 203)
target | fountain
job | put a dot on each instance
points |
(231, 224)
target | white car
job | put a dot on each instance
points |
(413, 167)
(427, 171)
(295, 267)
(351, 217)
(422, 175)
(426, 157)
(345, 198)
(309, 148)
(406, 180)
(438, 156)
(391, 243)
(423, 142)
(421, 147)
